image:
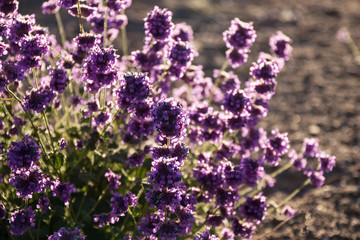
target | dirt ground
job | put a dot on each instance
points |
(317, 96)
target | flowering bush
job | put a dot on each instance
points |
(142, 146)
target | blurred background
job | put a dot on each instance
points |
(317, 94)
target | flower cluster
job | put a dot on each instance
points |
(143, 144)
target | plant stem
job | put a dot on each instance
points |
(99, 199)
(48, 129)
(105, 23)
(292, 195)
(280, 170)
(217, 80)
(30, 233)
(79, 13)
(124, 38)
(61, 28)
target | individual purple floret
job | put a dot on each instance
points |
(62, 143)
(236, 57)
(38, 99)
(183, 32)
(205, 235)
(244, 229)
(3, 83)
(170, 119)
(43, 204)
(105, 219)
(226, 197)
(59, 80)
(50, 7)
(240, 35)
(121, 203)
(149, 225)
(23, 154)
(118, 5)
(254, 208)
(165, 172)
(181, 54)
(86, 41)
(140, 128)
(280, 44)
(67, 233)
(20, 220)
(264, 69)
(3, 48)
(28, 182)
(66, 3)
(288, 211)
(164, 198)
(237, 102)
(326, 163)
(2, 211)
(158, 23)
(34, 46)
(143, 109)
(113, 179)
(135, 160)
(12, 71)
(317, 178)
(62, 190)
(310, 147)
(178, 151)
(134, 87)
(103, 118)
(9, 6)
(298, 162)
(100, 68)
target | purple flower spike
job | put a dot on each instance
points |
(237, 102)
(236, 57)
(20, 220)
(280, 44)
(254, 208)
(158, 23)
(43, 204)
(135, 87)
(264, 69)
(244, 229)
(50, 7)
(170, 119)
(23, 154)
(240, 35)
(66, 3)
(34, 46)
(121, 203)
(105, 219)
(59, 80)
(181, 54)
(165, 172)
(288, 211)
(9, 6)
(63, 191)
(62, 143)
(310, 147)
(67, 233)
(205, 235)
(113, 179)
(326, 162)
(28, 182)
(38, 99)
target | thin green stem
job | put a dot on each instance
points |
(30, 233)
(106, 23)
(48, 129)
(292, 195)
(124, 38)
(217, 80)
(79, 13)
(99, 200)
(280, 170)
(61, 28)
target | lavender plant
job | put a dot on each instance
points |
(98, 143)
